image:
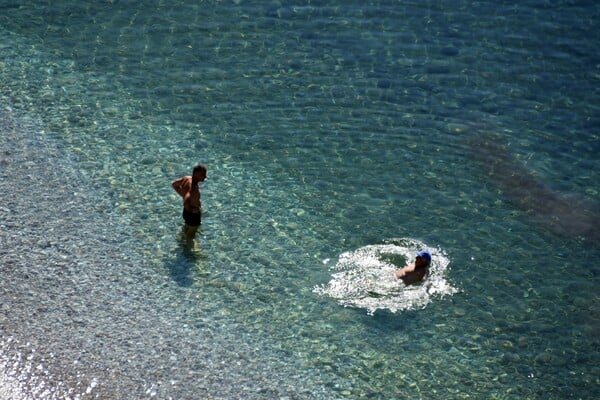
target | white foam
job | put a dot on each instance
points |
(365, 278)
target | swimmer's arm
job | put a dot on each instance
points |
(403, 271)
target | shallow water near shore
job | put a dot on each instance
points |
(329, 130)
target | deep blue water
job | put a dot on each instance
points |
(326, 127)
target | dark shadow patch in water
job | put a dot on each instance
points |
(181, 269)
(568, 215)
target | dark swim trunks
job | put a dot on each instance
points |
(192, 219)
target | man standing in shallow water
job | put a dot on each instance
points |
(417, 271)
(187, 188)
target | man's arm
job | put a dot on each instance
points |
(182, 185)
(403, 271)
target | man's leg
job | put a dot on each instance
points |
(189, 231)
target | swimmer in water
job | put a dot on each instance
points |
(417, 271)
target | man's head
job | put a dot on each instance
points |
(199, 173)
(423, 258)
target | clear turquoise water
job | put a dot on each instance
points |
(326, 127)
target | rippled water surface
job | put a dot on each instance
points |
(330, 129)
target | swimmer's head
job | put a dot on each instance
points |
(425, 256)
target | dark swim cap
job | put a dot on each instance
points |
(425, 254)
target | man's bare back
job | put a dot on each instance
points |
(415, 272)
(191, 195)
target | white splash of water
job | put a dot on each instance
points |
(365, 277)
